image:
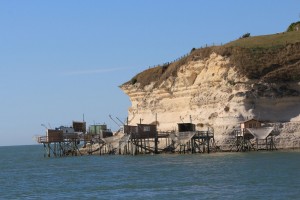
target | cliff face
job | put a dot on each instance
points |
(216, 90)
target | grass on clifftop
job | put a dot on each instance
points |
(266, 41)
(271, 58)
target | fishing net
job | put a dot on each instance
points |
(260, 133)
(182, 137)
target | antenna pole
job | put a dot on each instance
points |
(113, 120)
(120, 121)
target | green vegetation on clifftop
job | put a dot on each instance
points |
(269, 58)
(294, 27)
(267, 41)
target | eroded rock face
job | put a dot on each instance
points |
(211, 93)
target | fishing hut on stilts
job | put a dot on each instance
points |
(97, 143)
(188, 140)
(63, 141)
(128, 140)
(143, 139)
(252, 135)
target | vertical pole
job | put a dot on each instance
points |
(48, 149)
(136, 143)
(237, 139)
(193, 140)
(156, 144)
(131, 147)
(128, 147)
(207, 141)
(99, 147)
(166, 142)
(141, 145)
(145, 145)
(45, 150)
(243, 147)
(156, 136)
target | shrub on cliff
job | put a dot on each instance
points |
(245, 35)
(294, 27)
(133, 81)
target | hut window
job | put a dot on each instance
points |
(146, 128)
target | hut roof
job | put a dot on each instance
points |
(251, 120)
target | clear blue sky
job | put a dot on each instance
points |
(62, 58)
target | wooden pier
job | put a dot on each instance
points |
(131, 140)
(146, 139)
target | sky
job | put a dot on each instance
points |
(62, 59)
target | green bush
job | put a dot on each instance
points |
(193, 49)
(245, 35)
(293, 26)
(133, 81)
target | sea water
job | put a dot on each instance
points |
(26, 174)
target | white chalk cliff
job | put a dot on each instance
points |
(211, 92)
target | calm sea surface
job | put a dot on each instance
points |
(26, 174)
